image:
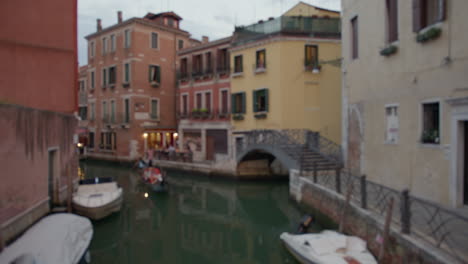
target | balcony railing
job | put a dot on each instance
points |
(311, 26)
(212, 114)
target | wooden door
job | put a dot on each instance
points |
(209, 148)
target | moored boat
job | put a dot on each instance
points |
(56, 239)
(152, 177)
(97, 198)
(327, 247)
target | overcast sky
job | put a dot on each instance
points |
(212, 18)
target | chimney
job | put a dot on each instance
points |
(205, 39)
(119, 17)
(99, 26)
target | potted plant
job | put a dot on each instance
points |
(430, 136)
(195, 113)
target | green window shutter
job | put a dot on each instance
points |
(266, 100)
(158, 74)
(243, 102)
(254, 101)
(233, 103)
(149, 74)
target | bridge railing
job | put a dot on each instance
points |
(325, 147)
(294, 142)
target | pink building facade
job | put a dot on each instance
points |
(204, 101)
(38, 77)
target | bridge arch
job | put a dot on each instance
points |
(262, 152)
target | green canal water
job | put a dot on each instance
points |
(200, 220)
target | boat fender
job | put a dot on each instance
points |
(307, 220)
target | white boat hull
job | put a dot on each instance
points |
(328, 247)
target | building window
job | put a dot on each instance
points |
(392, 20)
(224, 101)
(181, 44)
(197, 64)
(112, 116)
(238, 103)
(431, 129)
(260, 100)
(127, 73)
(112, 74)
(208, 101)
(126, 118)
(127, 38)
(199, 102)
(104, 45)
(261, 59)
(391, 116)
(92, 49)
(184, 104)
(92, 112)
(112, 40)
(223, 61)
(92, 80)
(238, 64)
(311, 57)
(154, 108)
(170, 22)
(154, 74)
(154, 40)
(183, 68)
(82, 86)
(354, 38)
(83, 112)
(427, 12)
(104, 77)
(105, 117)
(208, 63)
(91, 140)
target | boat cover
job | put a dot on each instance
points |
(328, 247)
(55, 239)
(97, 195)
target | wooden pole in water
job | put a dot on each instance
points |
(388, 220)
(70, 189)
(349, 191)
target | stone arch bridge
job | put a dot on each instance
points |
(260, 152)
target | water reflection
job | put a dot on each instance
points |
(197, 221)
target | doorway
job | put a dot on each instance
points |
(465, 163)
(52, 175)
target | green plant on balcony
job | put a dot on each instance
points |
(392, 49)
(430, 136)
(430, 34)
(238, 117)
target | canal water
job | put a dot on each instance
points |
(200, 220)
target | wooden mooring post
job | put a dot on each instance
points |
(388, 221)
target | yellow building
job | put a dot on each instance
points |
(286, 73)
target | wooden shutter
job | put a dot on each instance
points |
(233, 103)
(243, 102)
(158, 74)
(266, 100)
(254, 101)
(149, 74)
(417, 15)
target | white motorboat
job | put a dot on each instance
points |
(97, 198)
(55, 239)
(327, 247)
